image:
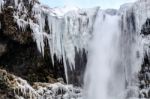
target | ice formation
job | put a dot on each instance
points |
(67, 30)
(46, 91)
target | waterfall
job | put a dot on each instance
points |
(102, 55)
(113, 58)
(115, 42)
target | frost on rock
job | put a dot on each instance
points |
(23, 90)
(47, 91)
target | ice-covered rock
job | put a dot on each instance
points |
(23, 90)
(67, 29)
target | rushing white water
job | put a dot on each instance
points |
(115, 52)
(103, 55)
(113, 60)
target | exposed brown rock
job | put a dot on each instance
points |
(10, 28)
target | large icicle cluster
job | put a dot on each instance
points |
(69, 29)
(66, 33)
(73, 30)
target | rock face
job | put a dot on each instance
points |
(3, 48)
(144, 74)
(10, 28)
(19, 54)
(18, 50)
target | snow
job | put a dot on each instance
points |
(64, 10)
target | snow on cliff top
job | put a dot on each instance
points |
(60, 11)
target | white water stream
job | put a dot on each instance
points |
(109, 70)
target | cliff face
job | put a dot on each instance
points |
(40, 44)
(144, 73)
(19, 54)
(26, 46)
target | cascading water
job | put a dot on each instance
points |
(103, 55)
(113, 58)
(115, 53)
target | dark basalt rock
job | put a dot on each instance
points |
(76, 76)
(3, 48)
(146, 28)
(25, 61)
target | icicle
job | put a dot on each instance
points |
(16, 3)
(38, 36)
(1, 5)
(67, 30)
(65, 65)
(36, 9)
(22, 24)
